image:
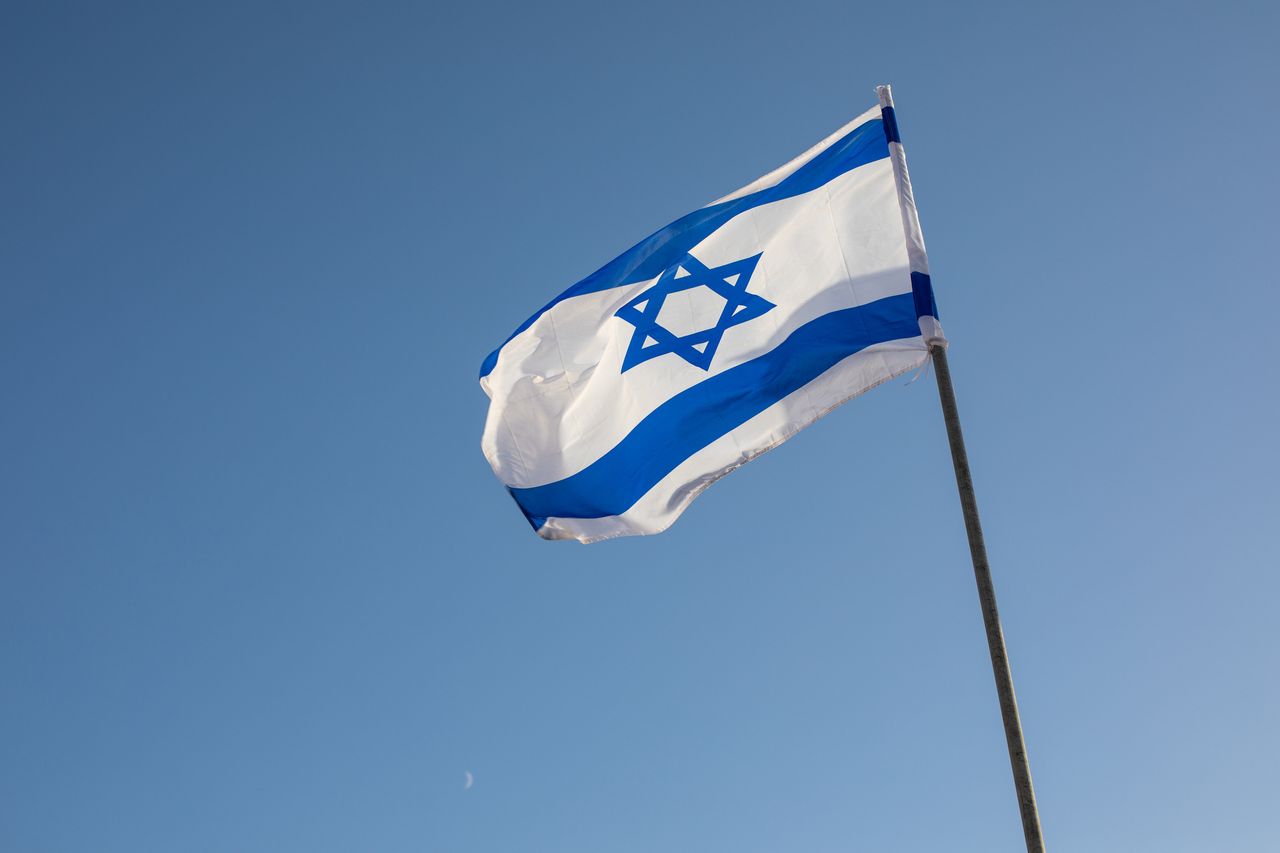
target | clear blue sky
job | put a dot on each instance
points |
(259, 590)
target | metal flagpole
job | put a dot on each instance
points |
(990, 614)
(937, 343)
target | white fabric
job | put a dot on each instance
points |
(917, 256)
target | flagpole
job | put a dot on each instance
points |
(931, 330)
(990, 613)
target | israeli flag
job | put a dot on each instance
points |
(714, 339)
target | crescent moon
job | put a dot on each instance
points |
(466, 786)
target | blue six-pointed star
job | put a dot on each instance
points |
(650, 340)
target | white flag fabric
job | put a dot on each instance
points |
(713, 340)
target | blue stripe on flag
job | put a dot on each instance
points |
(890, 125)
(648, 258)
(694, 418)
(922, 290)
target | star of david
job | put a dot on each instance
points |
(650, 339)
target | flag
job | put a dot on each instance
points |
(712, 340)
